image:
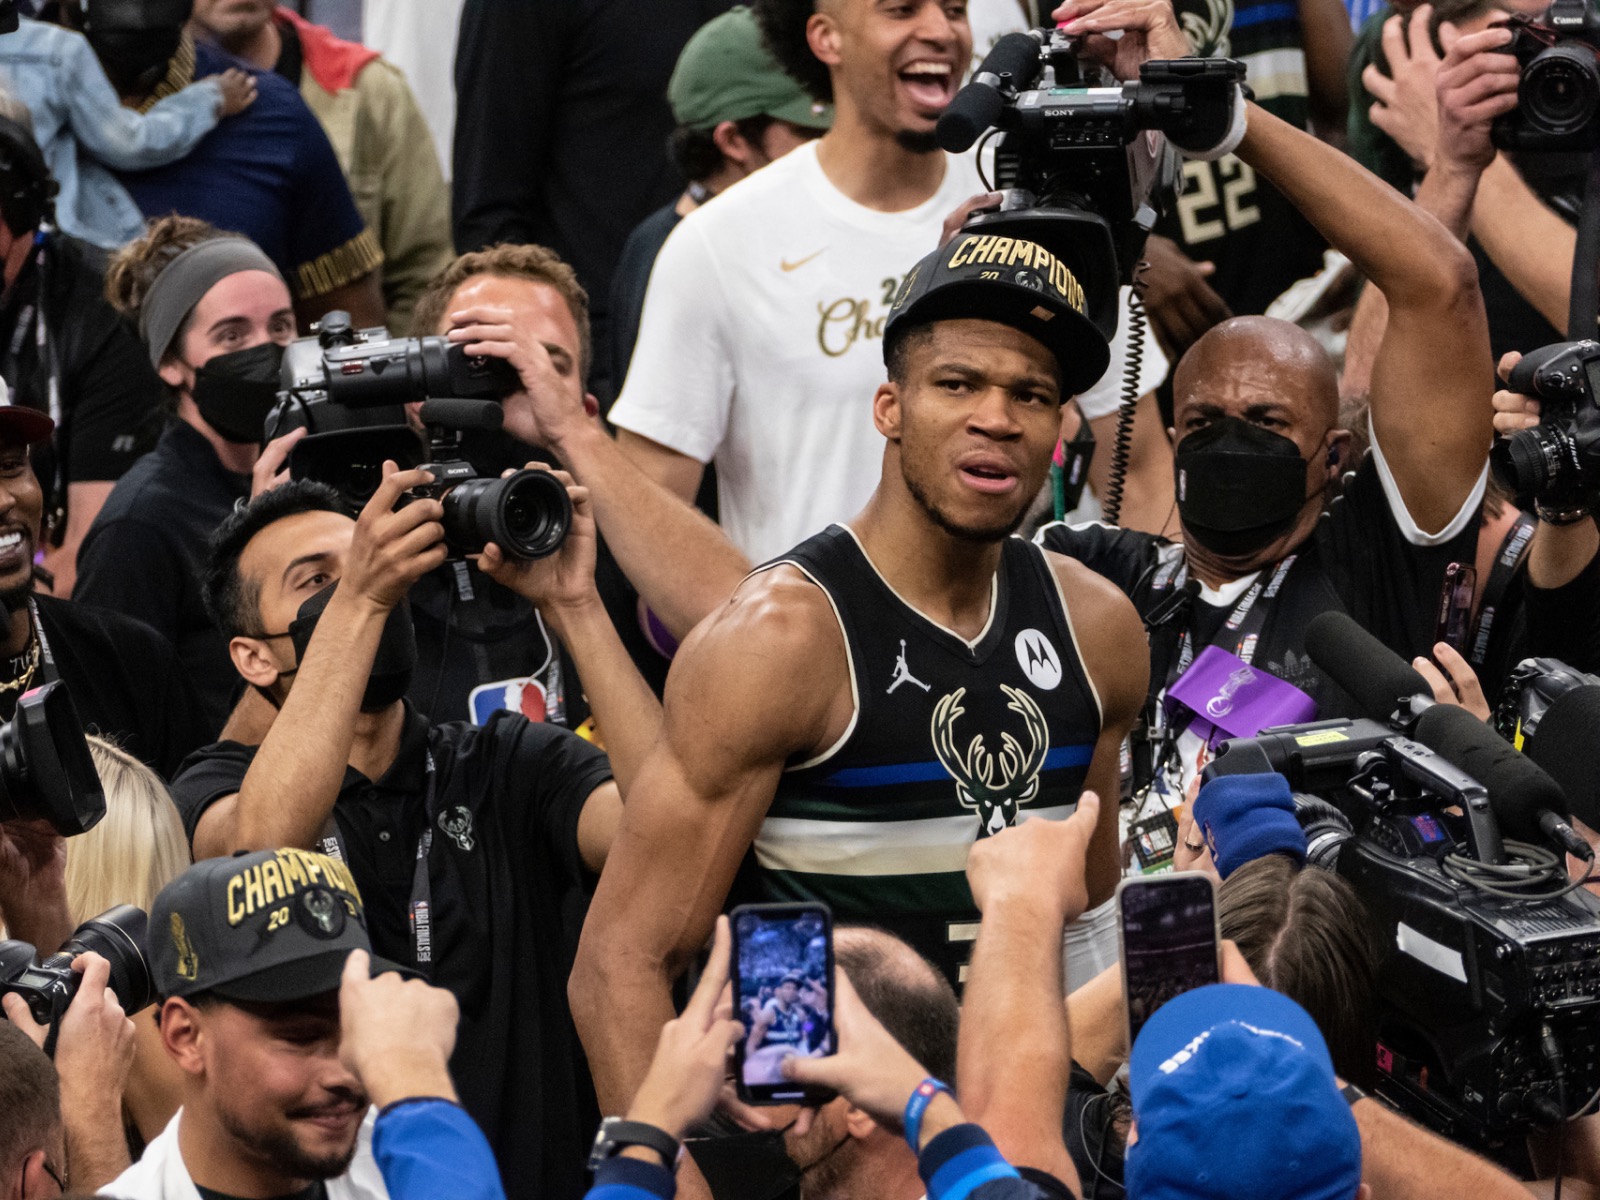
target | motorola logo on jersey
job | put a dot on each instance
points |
(1038, 659)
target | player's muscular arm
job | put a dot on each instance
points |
(735, 712)
(1117, 658)
(1431, 412)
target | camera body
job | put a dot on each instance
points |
(1557, 461)
(349, 389)
(1085, 161)
(1558, 92)
(117, 935)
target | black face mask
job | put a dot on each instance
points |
(392, 666)
(236, 391)
(1240, 487)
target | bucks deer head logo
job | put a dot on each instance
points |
(993, 785)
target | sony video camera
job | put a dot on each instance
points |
(1558, 460)
(117, 935)
(1083, 159)
(45, 769)
(1488, 1004)
(1558, 91)
(349, 389)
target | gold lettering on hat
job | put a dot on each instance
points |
(254, 895)
(294, 871)
(997, 253)
(1042, 258)
(236, 911)
(272, 882)
(188, 961)
(960, 256)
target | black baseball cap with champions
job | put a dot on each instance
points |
(1015, 281)
(269, 927)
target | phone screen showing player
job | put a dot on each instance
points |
(1169, 941)
(783, 992)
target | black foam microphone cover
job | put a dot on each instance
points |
(1375, 676)
(456, 413)
(1518, 789)
(977, 106)
(1567, 745)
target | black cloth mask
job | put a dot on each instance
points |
(236, 391)
(1240, 487)
(392, 666)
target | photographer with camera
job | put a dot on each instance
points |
(1258, 446)
(215, 315)
(310, 1068)
(468, 840)
(92, 1048)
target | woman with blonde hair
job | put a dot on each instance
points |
(135, 851)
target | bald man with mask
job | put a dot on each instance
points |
(1260, 450)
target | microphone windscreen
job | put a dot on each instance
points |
(1567, 745)
(456, 413)
(1375, 676)
(1517, 787)
(977, 106)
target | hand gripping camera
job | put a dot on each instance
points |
(1558, 461)
(349, 388)
(117, 935)
(1558, 93)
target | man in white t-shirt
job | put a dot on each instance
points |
(764, 316)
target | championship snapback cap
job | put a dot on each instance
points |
(267, 927)
(726, 73)
(1234, 1095)
(1015, 281)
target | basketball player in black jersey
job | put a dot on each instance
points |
(868, 705)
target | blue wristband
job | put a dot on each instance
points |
(917, 1105)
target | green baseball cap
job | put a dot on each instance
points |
(726, 73)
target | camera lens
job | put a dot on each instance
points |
(1560, 89)
(527, 514)
(1530, 461)
(118, 936)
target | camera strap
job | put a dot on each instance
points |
(420, 907)
(1513, 550)
(47, 661)
(1584, 302)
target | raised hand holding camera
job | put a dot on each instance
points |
(559, 581)
(395, 543)
(1149, 30)
(550, 403)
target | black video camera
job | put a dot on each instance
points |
(1558, 92)
(349, 389)
(1557, 461)
(117, 935)
(1488, 1004)
(45, 769)
(1083, 159)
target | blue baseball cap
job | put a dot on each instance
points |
(1234, 1096)
(1245, 817)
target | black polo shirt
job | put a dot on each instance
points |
(507, 891)
(145, 555)
(125, 682)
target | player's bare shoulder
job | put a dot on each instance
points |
(771, 658)
(1111, 636)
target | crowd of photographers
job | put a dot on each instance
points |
(438, 584)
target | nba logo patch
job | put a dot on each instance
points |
(525, 696)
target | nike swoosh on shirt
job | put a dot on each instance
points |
(787, 266)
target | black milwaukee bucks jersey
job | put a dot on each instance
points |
(950, 741)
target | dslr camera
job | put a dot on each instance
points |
(349, 389)
(117, 935)
(45, 769)
(1558, 460)
(1085, 161)
(1558, 91)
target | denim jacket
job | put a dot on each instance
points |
(83, 129)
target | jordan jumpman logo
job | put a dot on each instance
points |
(902, 673)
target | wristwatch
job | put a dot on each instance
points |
(1352, 1094)
(618, 1133)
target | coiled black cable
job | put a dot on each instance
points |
(1122, 447)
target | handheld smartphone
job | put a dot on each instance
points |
(1454, 623)
(783, 989)
(1170, 945)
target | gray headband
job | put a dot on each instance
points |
(186, 279)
